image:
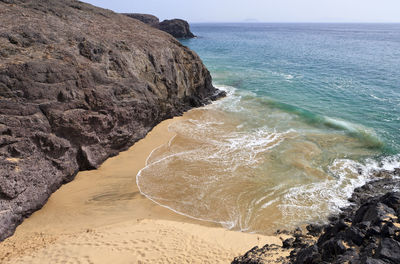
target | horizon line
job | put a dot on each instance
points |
(292, 22)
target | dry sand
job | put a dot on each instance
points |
(101, 217)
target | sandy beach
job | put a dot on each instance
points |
(101, 217)
(285, 146)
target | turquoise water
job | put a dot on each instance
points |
(312, 111)
(344, 71)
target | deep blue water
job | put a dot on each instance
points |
(349, 72)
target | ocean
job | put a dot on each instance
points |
(312, 111)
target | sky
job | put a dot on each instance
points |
(261, 10)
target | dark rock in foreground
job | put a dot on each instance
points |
(176, 27)
(258, 255)
(367, 232)
(79, 84)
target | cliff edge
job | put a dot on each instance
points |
(145, 18)
(79, 84)
(176, 27)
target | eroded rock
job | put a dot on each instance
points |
(368, 231)
(79, 84)
(145, 18)
(176, 27)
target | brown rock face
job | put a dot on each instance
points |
(78, 84)
(145, 18)
(176, 27)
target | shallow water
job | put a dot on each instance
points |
(297, 133)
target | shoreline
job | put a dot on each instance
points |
(101, 217)
(102, 213)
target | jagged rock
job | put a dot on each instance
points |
(367, 231)
(389, 229)
(176, 27)
(332, 230)
(145, 18)
(288, 243)
(309, 255)
(373, 231)
(389, 249)
(373, 261)
(332, 248)
(78, 84)
(392, 200)
(257, 255)
(375, 188)
(356, 235)
(314, 229)
(373, 212)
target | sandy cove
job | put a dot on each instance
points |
(101, 217)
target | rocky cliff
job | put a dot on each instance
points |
(176, 27)
(78, 84)
(145, 18)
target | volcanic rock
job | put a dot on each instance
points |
(176, 27)
(145, 18)
(389, 249)
(79, 84)
(368, 231)
(258, 255)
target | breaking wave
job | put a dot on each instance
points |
(253, 164)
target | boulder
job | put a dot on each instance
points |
(332, 248)
(309, 255)
(389, 249)
(258, 255)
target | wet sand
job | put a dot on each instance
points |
(101, 217)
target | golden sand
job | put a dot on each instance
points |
(101, 217)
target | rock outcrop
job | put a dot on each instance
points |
(145, 18)
(367, 232)
(78, 84)
(176, 27)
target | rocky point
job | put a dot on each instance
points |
(366, 232)
(178, 28)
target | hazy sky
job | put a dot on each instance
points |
(262, 10)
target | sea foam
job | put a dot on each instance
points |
(247, 164)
